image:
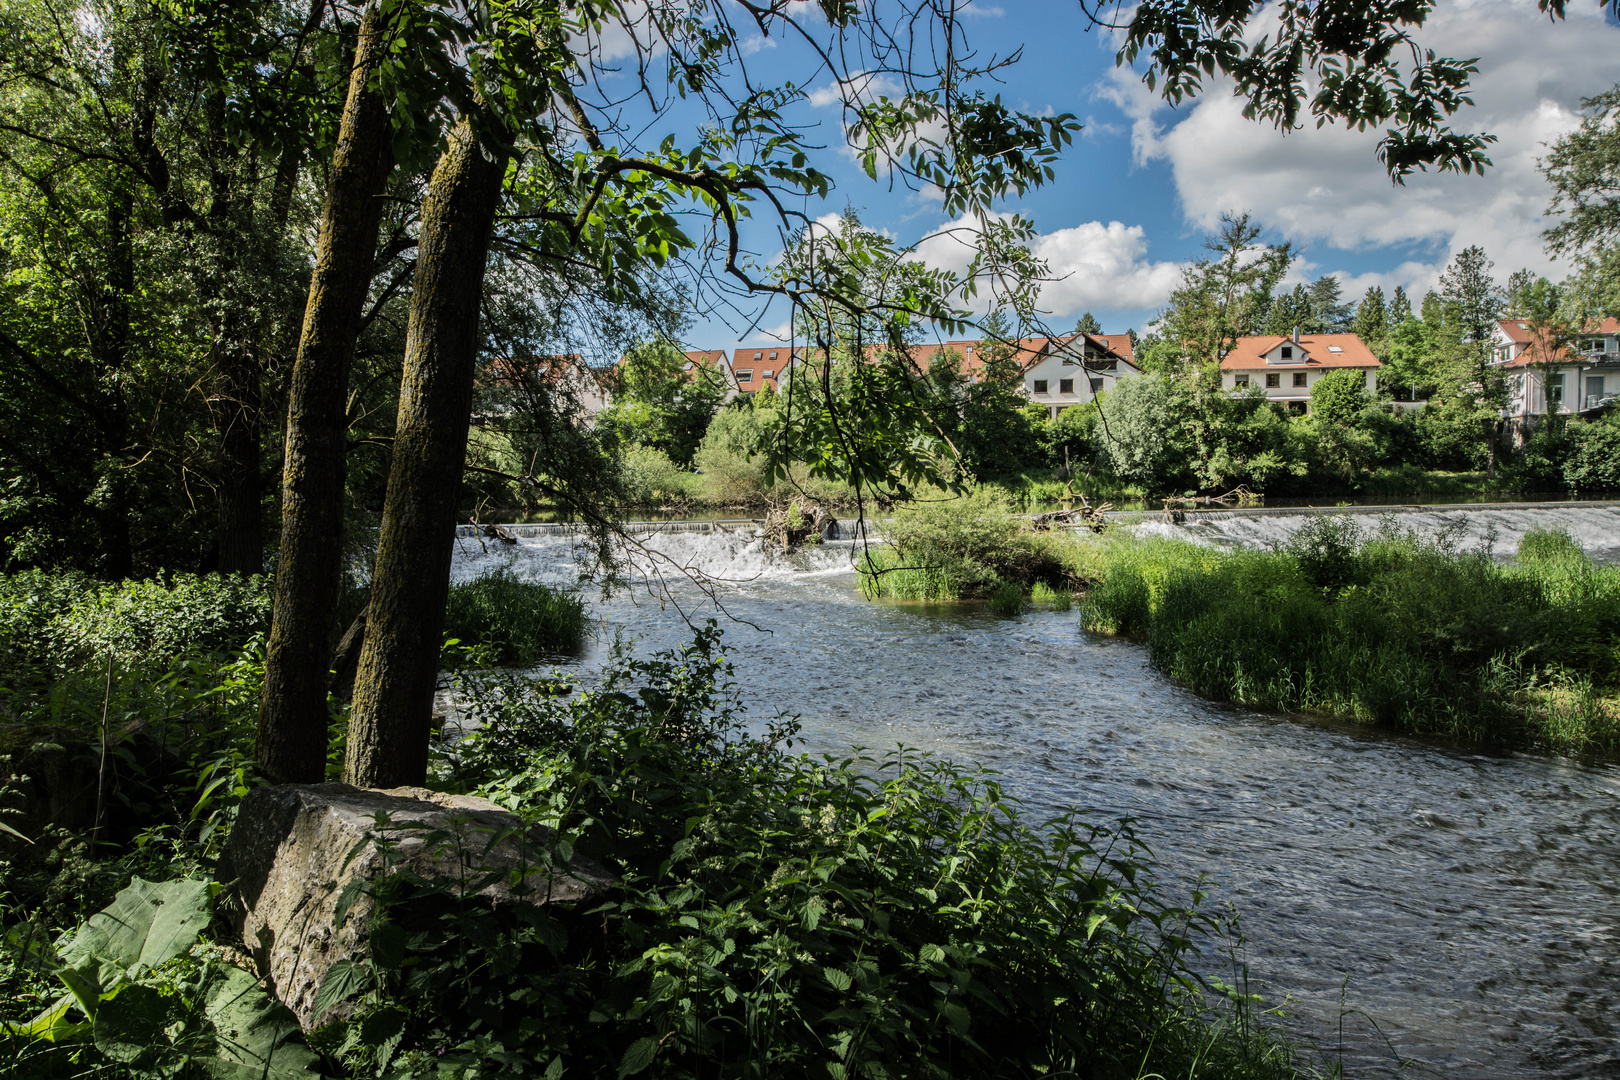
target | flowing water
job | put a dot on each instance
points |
(1452, 911)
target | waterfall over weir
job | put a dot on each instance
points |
(733, 550)
(1495, 526)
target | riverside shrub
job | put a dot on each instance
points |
(501, 619)
(1391, 629)
(786, 916)
(963, 548)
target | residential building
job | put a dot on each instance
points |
(1067, 371)
(1578, 375)
(503, 380)
(1287, 368)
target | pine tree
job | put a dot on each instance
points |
(1329, 314)
(1088, 324)
(1371, 316)
(1400, 308)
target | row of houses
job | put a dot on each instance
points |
(1061, 372)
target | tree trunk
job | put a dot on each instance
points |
(399, 663)
(291, 744)
(237, 397)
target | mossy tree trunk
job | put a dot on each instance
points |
(291, 746)
(399, 663)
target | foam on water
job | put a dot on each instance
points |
(720, 554)
(1596, 526)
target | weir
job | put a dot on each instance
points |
(730, 548)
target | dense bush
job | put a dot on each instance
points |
(1593, 463)
(962, 548)
(1388, 629)
(65, 620)
(782, 916)
(501, 619)
(651, 479)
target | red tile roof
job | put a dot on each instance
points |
(1249, 353)
(1520, 332)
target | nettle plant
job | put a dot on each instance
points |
(872, 915)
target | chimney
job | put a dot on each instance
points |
(1296, 334)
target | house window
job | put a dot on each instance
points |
(1040, 386)
(1104, 365)
(1240, 382)
(1555, 388)
(1288, 352)
(1594, 386)
(769, 374)
(1065, 386)
(1273, 380)
(773, 356)
(758, 357)
(745, 374)
(1299, 378)
(1296, 408)
(1096, 386)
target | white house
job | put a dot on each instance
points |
(1061, 372)
(1544, 375)
(1288, 368)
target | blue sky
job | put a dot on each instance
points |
(1136, 193)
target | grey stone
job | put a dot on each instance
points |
(295, 849)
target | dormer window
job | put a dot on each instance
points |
(1287, 352)
(745, 374)
(758, 357)
(773, 357)
(769, 374)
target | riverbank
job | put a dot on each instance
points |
(1389, 629)
(843, 917)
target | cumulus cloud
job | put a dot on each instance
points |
(1327, 187)
(1093, 265)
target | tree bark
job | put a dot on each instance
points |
(399, 663)
(291, 746)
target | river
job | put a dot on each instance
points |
(1453, 911)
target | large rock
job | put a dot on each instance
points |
(295, 849)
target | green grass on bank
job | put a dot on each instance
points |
(502, 620)
(1386, 629)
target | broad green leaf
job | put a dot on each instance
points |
(130, 1026)
(343, 980)
(254, 1034)
(839, 980)
(638, 1057)
(50, 1025)
(146, 925)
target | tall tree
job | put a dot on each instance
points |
(1329, 313)
(1473, 302)
(291, 745)
(1088, 324)
(1583, 168)
(393, 691)
(1400, 308)
(1371, 317)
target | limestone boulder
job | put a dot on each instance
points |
(299, 852)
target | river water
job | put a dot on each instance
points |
(1454, 913)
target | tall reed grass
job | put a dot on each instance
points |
(501, 619)
(1388, 629)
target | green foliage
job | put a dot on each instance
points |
(1583, 167)
(514, 623)
(150, 1003)
(1339, 397)
(961, 549)
(1008, 599)
(788, 916)
(1387, 629)
(732, 469)
(68, 619)
(1134, 439)
(662, 401)
(1593, 463)
(651, 479)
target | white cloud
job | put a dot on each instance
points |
(1326, 187)
(988, 11)
(860, 86)
(1094, 265)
